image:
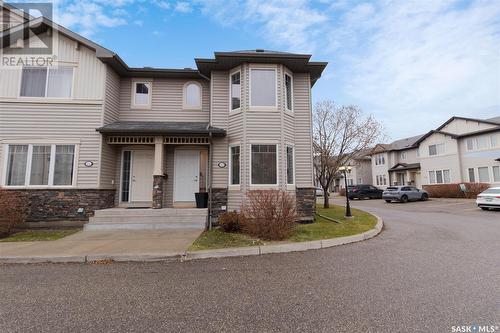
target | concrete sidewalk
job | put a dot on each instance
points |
(96, 245)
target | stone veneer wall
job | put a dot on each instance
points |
(219, 199)
(158, 190)
(306, 203)
(57, 204)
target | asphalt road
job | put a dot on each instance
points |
(436, 265)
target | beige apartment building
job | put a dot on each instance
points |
(460, 150)
(89, 132)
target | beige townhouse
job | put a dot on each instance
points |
(88, 132)
(460, 150)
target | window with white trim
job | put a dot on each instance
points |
(436, 149)
(55, 82)
(288, 92)
(289, 165)
(484, 174)
(141, 94)
(192, 96)
(496, 173)
(263, 87)
(402, 156)
(235, 91)
(235, 165)
(482, 142)
(40, 165)
(472, 177)
(439, 177)
(380, 159)
(263, 166)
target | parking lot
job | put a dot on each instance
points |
(458, 207)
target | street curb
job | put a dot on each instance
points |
(284, 248)
(205, 254)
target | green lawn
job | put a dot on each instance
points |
(39, 235)
(320, 229)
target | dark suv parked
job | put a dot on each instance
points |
(364, 192)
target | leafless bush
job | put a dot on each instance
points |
(269, 214)
(230, 221)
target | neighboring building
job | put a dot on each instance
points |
(361, 172)
(461, 150)
(92, 133)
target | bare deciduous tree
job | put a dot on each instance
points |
(339, 133)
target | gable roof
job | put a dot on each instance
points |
(298, 63)
(400, 144)
(491, 121)
(405, 166)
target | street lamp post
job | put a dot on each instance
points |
(346, 170)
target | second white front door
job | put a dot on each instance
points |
(142, 175)
(187, 174)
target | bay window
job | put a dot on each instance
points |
(55, 82)
(263, 165)
(289, 165)
(40, 165)
(235, 91)
(288, 92)
(235, 165)
(263, 87)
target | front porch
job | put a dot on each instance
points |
(405, 174)
(160, 165)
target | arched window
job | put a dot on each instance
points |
(192, 96)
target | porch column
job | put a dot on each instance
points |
(158, 177)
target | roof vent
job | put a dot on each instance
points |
(259, 50)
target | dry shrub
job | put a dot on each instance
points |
(12, 211)
(342, 192)
(454, 191)
(230, 221)
(268, 214)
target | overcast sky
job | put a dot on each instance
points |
(413, 64)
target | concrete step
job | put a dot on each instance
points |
(142, 226)
(152, 212)
(147, 219)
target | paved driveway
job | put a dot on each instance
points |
(436, 265)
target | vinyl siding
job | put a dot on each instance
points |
(220, 114)
(37, 123)
(88, 78)
(111, 113)
(167, 97)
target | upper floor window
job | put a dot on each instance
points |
(192, 96)
(235, 91)
(402, 156)
(436, 149)
(288, 92)
(141, 94)
(379, 159)
(263, 88)
(53, 82)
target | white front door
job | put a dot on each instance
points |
(142, 175)
(186, 173)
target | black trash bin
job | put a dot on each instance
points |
(201, 199)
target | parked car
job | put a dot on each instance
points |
(489, 199)
(364, 192)
(319, 192)
(404, 194)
